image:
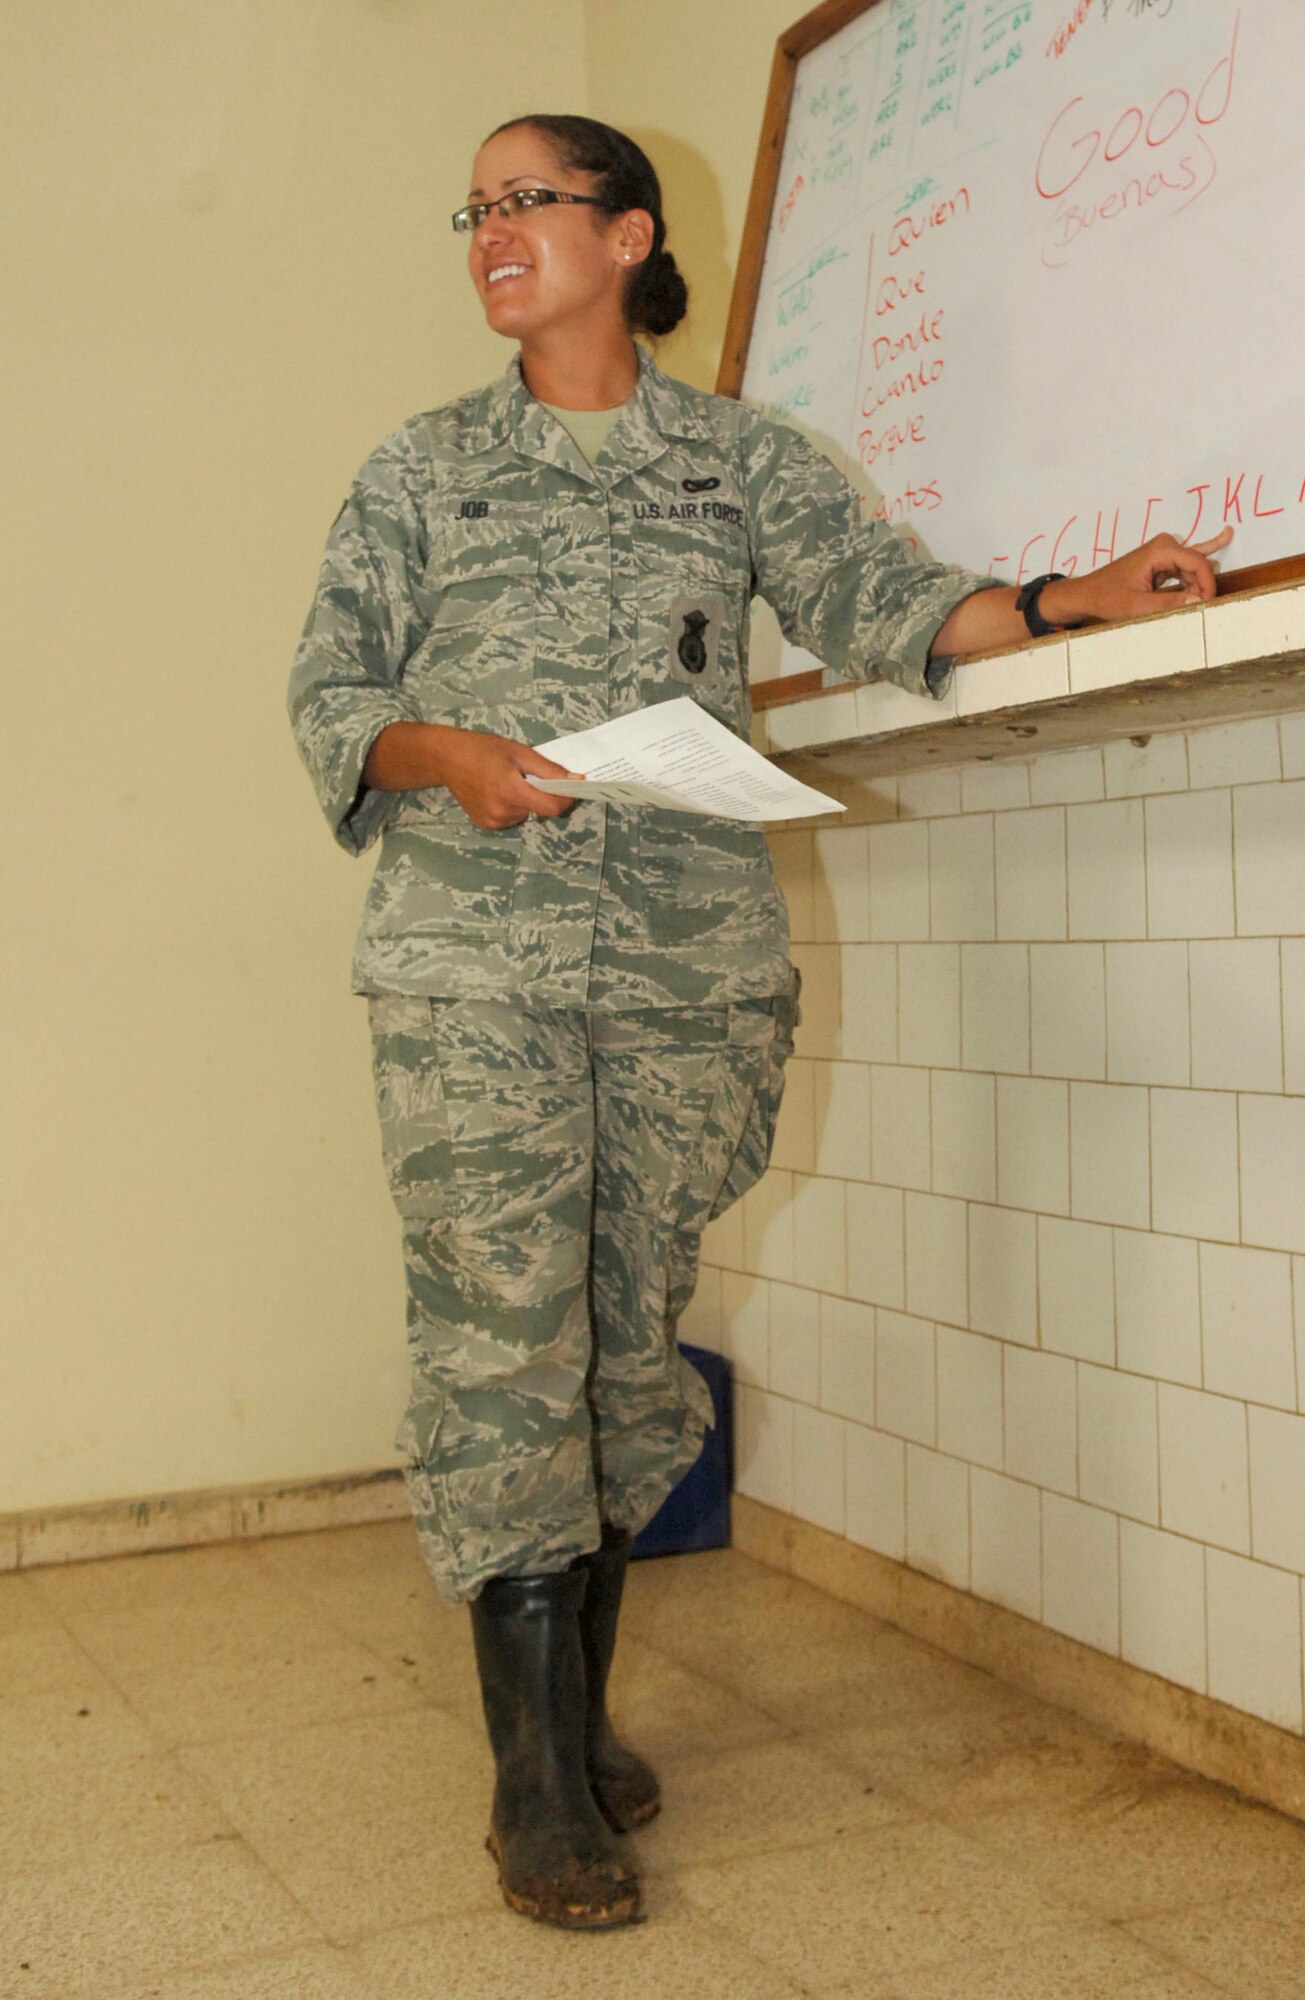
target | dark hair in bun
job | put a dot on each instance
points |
(656, 296)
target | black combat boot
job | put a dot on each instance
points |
(557, 1859)
(624, 1786)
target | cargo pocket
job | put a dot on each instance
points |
(482, 580)
(415, 1143)
(751, 1156)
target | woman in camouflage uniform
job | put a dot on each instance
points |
(580, 1014)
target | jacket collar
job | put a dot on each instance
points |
(659, 412)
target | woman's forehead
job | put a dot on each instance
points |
(520, 157)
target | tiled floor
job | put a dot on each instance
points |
(257, 1771)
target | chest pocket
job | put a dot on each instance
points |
(482, 582)
(692, 637)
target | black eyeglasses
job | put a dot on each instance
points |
(516, 203)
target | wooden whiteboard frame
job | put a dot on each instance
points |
(795, 42)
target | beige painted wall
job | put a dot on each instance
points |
(688, 81)
(230, 275)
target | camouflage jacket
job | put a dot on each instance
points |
(482, 574)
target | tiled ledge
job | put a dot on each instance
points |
(1240, 656)
(1202, 1734)
(184, 1520)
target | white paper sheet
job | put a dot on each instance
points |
(675, 754)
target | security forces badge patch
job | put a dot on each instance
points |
(691, 652)
(695, 635)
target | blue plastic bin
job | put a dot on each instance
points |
(696, 1513)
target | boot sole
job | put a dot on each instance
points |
(624, 1909)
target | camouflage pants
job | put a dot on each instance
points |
(554, 1169)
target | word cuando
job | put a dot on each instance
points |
(884, 348)
(908, 384)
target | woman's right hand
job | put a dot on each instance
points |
(487, 777)
(486, 774)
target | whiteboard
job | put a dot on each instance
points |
(1035, 275)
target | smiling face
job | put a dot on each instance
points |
(561, 268)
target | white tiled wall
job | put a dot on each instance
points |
(1021, 1301)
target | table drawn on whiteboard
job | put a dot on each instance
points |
(1027, 277)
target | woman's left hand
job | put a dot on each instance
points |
(1162, 573)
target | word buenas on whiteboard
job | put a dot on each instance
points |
(1100, 165)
